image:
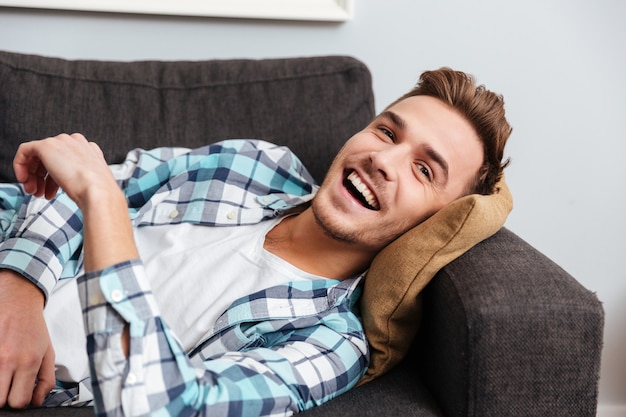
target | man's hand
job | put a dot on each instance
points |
(66, 161)
(26, 353)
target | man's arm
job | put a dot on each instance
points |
(41, 243)
(79, 168)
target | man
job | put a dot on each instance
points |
(283, 344)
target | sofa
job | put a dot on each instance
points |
(502, 330)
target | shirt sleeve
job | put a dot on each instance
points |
(42, 239)
(281, 373)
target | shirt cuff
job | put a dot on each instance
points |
(122, 287)
(34, 261)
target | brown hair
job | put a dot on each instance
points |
(482, 108)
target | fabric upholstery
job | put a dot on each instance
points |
(390, 304)
(397, 393)
(311, 104)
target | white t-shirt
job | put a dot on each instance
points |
(195, 272)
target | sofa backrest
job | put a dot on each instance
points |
(311, 104)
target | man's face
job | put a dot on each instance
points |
(412, 160)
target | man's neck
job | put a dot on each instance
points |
(300, 241)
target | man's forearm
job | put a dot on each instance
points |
(108, 234)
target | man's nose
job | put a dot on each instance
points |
(388, 160)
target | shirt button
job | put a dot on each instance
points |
(266, 199)
(231, 215)
(131, 378)
(173, 214)
(117, 296)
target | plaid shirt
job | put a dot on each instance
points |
(278, 351)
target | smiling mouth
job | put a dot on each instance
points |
(360, 191)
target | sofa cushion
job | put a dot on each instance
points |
(391, 304)
(311, 104)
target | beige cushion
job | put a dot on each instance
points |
(390, 305)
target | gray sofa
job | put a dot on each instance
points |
(505, 331)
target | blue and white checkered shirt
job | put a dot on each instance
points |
(278, 351)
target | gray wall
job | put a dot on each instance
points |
(560, 65)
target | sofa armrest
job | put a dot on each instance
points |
(508, 332)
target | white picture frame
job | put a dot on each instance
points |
(313, 10)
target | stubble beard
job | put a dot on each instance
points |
(367, 236)
(330, 227)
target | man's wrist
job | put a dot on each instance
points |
(15, 287)
(103, 192)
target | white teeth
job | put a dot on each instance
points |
(363, 189)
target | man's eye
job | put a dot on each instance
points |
(387, 133)
(424, 170)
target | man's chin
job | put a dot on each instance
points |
(332, 226)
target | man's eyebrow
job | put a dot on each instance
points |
(439, 160)
(395, 119)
